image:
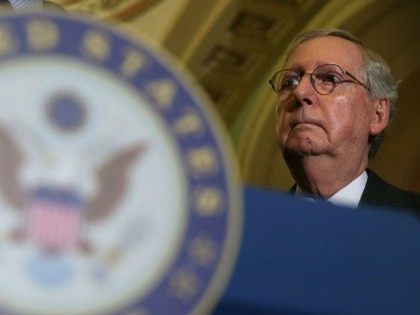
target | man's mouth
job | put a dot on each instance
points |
(306, 122)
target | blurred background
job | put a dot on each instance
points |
(232, 47)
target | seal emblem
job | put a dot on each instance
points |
(118, 193)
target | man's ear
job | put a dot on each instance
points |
(380, 116)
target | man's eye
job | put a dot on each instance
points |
(289, 82)
(329, 78)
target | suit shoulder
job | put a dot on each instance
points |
(379, 192)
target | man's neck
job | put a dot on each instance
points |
(323, 176)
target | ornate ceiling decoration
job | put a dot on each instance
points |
(107, 9)
(232, 56)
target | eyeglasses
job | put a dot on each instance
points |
(325, 78)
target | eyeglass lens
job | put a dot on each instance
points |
(324, 79)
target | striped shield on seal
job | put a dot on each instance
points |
(54, 218)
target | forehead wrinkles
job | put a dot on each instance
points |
(329, 49)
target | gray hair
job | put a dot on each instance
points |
(375, 71)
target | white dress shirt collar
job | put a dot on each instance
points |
(349, 195)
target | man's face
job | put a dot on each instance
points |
(337, 124)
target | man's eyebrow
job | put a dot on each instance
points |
(298, 70)
(301, 69)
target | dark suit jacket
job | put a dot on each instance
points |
(379, 192)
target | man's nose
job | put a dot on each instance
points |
(305, 92)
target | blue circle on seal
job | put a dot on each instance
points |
(66, 112)
(214, 207)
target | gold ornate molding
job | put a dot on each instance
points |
(121, 10)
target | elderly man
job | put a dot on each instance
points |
(336, 97)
